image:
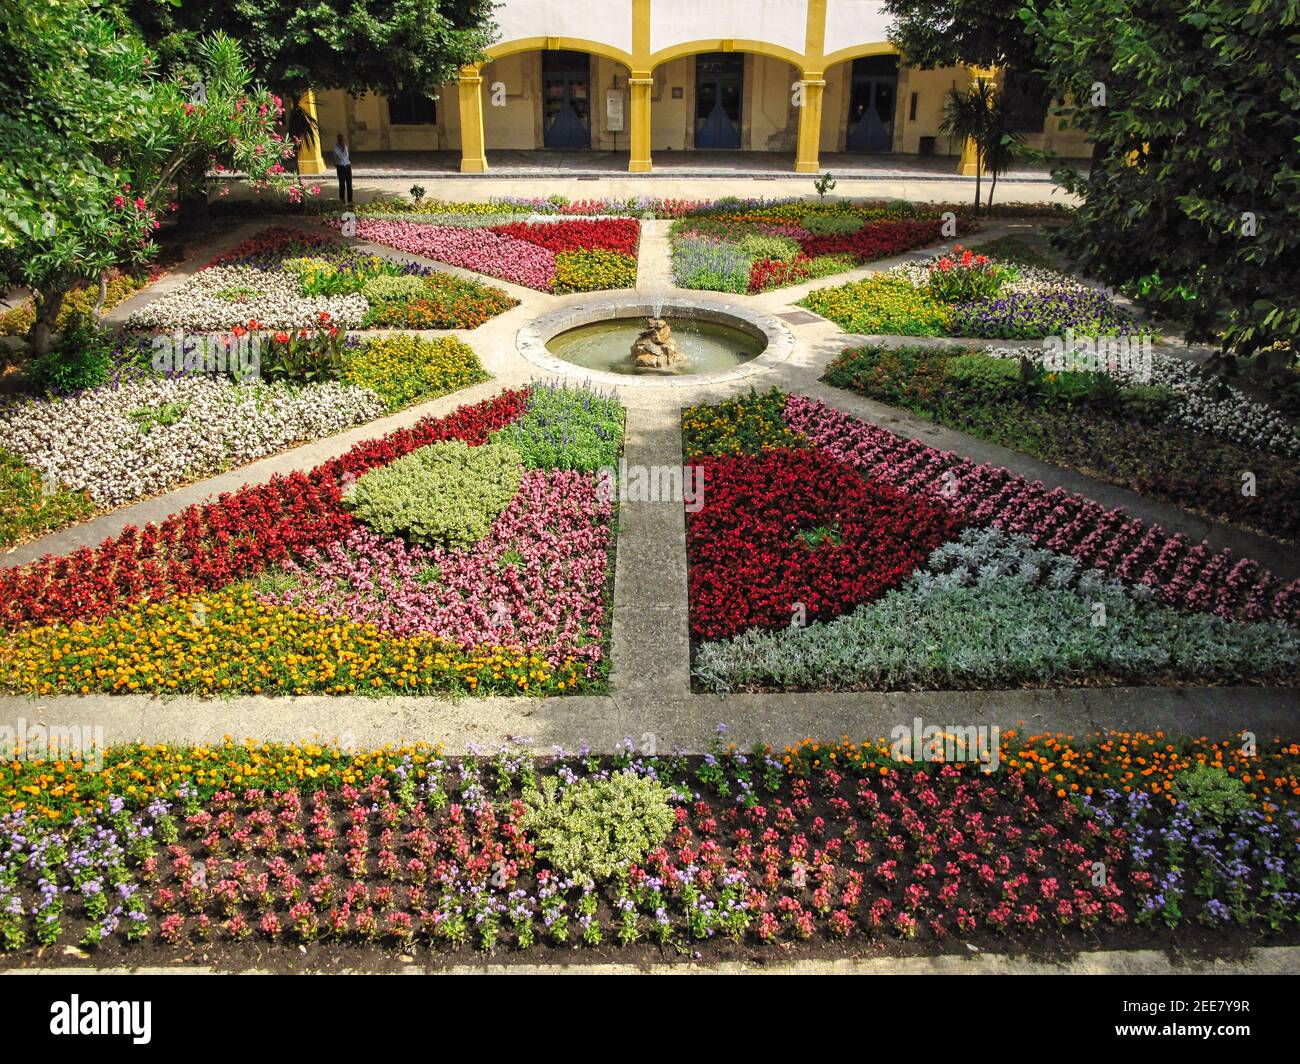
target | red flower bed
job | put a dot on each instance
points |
(209, 545)
(791, 527)
(776, 273)
(608, 234)
(880, 240)
(1183, 574)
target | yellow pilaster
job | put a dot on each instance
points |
(812, 84)
(640, 86)
(310, 160)
(470, 87)
(969, 165)
(810, 125)
(639, 123)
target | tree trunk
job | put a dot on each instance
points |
(979, 169)
(194, 214)
(993, 184)
(49, 300)
(103, 291)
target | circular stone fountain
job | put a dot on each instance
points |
(660, 341)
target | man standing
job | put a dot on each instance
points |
(343, 163)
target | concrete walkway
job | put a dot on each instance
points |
(1268, 960)
(650, 698)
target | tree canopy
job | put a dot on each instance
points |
(1195, 111)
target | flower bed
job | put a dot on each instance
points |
(970, 294)
(513, 611)
(1170, 436)
(1041, 587)
(143, 432)
(757, 250)
(287, 278)
(286, 848)
(582, 255)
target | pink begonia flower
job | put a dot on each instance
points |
(479, 249)
(1182, 574)
(536, 580)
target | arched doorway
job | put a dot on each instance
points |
(873, 95)
(566, 100)
(719, 97)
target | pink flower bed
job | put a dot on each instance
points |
(1184, 574)
(478, 249)
(537, 580)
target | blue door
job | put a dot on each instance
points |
(872, 96)
(719, 88)
(566, 100)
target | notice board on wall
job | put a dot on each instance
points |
(614, 110)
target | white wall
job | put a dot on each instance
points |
(854, 22)
(781, 22)
(605, 21)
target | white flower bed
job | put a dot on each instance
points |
(278, 304)
(1029, 279)
(1202, 405)
(91, 441)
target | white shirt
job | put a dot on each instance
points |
(341, 155)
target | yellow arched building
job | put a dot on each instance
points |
(655, 76)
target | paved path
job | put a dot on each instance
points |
(650, 698)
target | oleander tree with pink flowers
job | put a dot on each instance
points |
(105, 142)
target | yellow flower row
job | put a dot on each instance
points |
(231, 642)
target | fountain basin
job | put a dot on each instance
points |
(592, 341)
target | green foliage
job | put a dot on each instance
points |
(81, 357)
(594, 828)
(943, 33)
(1193, 176)
(1211, 793)
(824, 184)
(566, 428)
(105, 141)
(382, 46)
(983, 379)
(1015, 251)
(443, 495)
(27, 509)
(831, 224)
(400, 289)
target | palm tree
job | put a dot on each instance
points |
(969, 116)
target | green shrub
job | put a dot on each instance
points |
(761, 246)
(912, 377)
(595, 827)
(982, 378)
(825, 265)
(1211, 793)
(1148, 404)
(79, 358)
(830, 224)
(443, 495)
(566, 428)
(29, 507)
(400, 289)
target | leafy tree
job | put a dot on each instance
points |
(1195, 112)
(940, 33)
(97, 140)
(360, 46)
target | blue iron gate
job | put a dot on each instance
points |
(719, 89)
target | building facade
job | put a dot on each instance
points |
(801, 77)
